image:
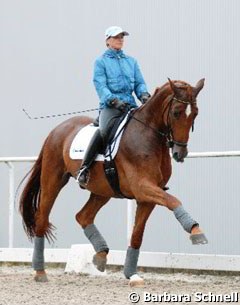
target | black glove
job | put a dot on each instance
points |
(119, 105)
(144, 97)
(96, 122)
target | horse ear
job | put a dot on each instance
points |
(198, 87)
(173, 87)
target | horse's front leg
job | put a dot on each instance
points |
(150, 192)
(130, 267)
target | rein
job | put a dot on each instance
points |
(154, 129)
(168, 134)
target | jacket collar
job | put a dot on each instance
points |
(114, 53)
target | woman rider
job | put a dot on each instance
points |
(116, 76)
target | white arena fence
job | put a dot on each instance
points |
(146, 259)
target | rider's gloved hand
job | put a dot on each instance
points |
(145, 97)
(119, 105)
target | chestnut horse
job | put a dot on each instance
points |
(144, 168)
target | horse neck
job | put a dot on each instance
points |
(153, 111)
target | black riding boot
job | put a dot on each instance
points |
(90, 155)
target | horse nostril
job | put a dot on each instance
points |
(175, 156)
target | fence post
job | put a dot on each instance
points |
(11, 205)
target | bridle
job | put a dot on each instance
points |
(168, 135)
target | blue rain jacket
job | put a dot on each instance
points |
(117, 75)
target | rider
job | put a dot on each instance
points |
(116, 76)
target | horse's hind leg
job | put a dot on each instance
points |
(86, 218)
(50, 187)
(130, 267)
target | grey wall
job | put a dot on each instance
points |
(47, 50)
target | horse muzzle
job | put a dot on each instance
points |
(179, 153)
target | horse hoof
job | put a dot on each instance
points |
(136, 281)
(100, 261)
(41, 278)
(198, 239)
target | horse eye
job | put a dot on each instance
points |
(176, 114)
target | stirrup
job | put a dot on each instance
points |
(83, 176)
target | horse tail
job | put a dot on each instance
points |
(30, 196)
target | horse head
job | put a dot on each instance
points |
(180, 114)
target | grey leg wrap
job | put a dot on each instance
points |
(96, 239)
(38, 254)
(130, 266)
(184, 218)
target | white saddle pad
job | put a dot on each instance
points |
(83, 137)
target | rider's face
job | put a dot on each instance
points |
(116, 42)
